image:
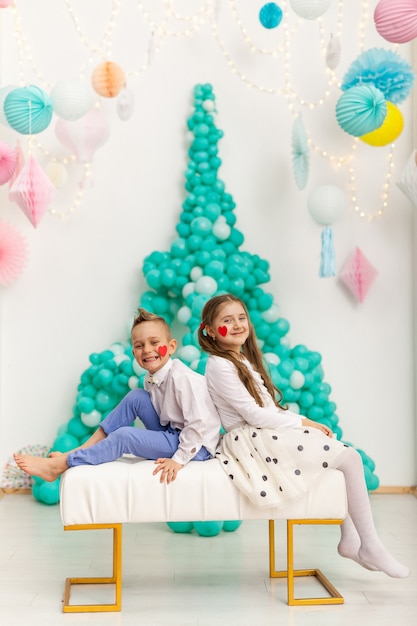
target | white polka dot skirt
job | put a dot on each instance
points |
(273, 466)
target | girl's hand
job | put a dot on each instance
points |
(168, 468)
(312, 424)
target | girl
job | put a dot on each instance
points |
(270, 453)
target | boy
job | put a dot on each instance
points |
(180, 419)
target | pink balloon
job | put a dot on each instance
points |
(396, 20)
(83, 136)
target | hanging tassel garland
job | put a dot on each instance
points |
(327, 259)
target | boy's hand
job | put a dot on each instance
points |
(168, 468)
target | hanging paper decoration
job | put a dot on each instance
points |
(4, 91)
(125, 104)
(396, 20)
(12, 253)
(361, 110)
(28, 110)
(8, 160)
(270, 15)
(5, 3)
(326, 204)
(71, 99)
(84, 136)
(20, 161)
(32, 191)
(408, 180)
(390, 129)
(300, 154)
(333, 52)
(358, 274)
(385, 69)
(108, 79)
(57, 174)
(310, 9)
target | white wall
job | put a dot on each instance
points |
(83, 278)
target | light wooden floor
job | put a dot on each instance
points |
(187, 580)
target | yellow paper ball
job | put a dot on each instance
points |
(390, 129)
(108, 79)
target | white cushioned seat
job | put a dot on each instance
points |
(126, 491)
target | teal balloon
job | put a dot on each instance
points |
(64, 443)
(48, 492)
(181, 527)
(208, 529)
(232, 525)
(77, 429)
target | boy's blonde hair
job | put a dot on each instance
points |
(146, 316)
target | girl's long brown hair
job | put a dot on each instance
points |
(250, 349)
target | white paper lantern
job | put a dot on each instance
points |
(71, 99)
(310, 9)
(326, 204)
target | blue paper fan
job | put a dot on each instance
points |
(300, 153)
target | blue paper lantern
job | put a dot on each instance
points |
(28, 110)
(361, 109)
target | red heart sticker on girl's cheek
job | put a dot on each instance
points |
(162, 350)
(222, 331)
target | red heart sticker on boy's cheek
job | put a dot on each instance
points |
(222, 331)
(162, 350)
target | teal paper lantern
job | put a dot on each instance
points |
(361, 109)
(28, 110)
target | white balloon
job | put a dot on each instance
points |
(294, 407)
(206, 285)
(188, 289)
(272, 358)
(272, 314)
(221, 230)
(133, 382)
(139, 371)
(189, 353)
(91, 419)
(184, 314)
(297, 379)
(195, 273)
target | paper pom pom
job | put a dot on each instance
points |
(8, 162)
(28, 110)
(310, 9)
(5, 3)
(384, 69)
(32, 191)
(108, 79)
(358, 274)
(71, 99)
(300, 156)
(408, 180)
(396, 20)
(361, 110)
(333, 53)
(270, 15)
(390, 129)
(12, 253)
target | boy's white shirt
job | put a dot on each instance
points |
(181, 399)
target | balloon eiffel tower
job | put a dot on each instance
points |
(204, 260)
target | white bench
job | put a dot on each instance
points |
(125, 491)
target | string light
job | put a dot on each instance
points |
(174, 24)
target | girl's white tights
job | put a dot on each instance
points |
(359, 540)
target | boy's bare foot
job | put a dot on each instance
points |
(47, 468)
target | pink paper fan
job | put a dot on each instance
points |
(33, 191)
(12, 253)
(8, 160)
(358, 274)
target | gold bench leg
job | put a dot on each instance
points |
(290, 573)
(115, 579)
